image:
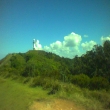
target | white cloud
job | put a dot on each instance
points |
(70, 46)
(88, 45)
(103, 39)
(48, 49)
(56, 45)
(67, 48)
(72, 40)
(58, 48)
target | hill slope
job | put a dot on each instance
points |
(33, 63)
(6, 60)
(17, 96)
(58, 75)
(88, 71)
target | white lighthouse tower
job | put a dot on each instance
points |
(34, 44)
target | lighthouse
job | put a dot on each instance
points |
(34, 44)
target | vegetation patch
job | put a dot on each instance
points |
(84, 79)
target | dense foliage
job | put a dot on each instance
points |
(91, 70)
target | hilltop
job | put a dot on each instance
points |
(84, 79)
(33, 63)
(91, 70)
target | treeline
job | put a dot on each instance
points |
(96, 65)
(91, 70)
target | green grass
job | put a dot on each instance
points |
(80, 99)
(16, 96)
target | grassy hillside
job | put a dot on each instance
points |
(34, 63)
(34, 72)
(15, 95)
(6, 60)
(84, 71)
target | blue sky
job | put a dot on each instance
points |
(64, 27)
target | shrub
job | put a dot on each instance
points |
(14, 77)
(81, 80)
(7, 75)
(26, 80)
(54, 87)
(47, 83)
(99, 83)
(37, 81)
(102, 96)
(68, 88)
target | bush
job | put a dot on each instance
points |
(102, 96)
(99, 83)
(37, 81)
(14, 77)
(55, 87)
(81, 80)
(26, 80)
(47, 83)
(68, 88)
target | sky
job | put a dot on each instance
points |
(64, 27)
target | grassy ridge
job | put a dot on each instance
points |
(43, 64)
(19, 96)
(39, 75)
(16, 96)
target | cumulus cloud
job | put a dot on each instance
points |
(72, 40)
(56, 45)
(88, 45)
(57, 48)
(67, 48)
(103, 39)
(70, 46)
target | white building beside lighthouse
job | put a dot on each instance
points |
(36, 45)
